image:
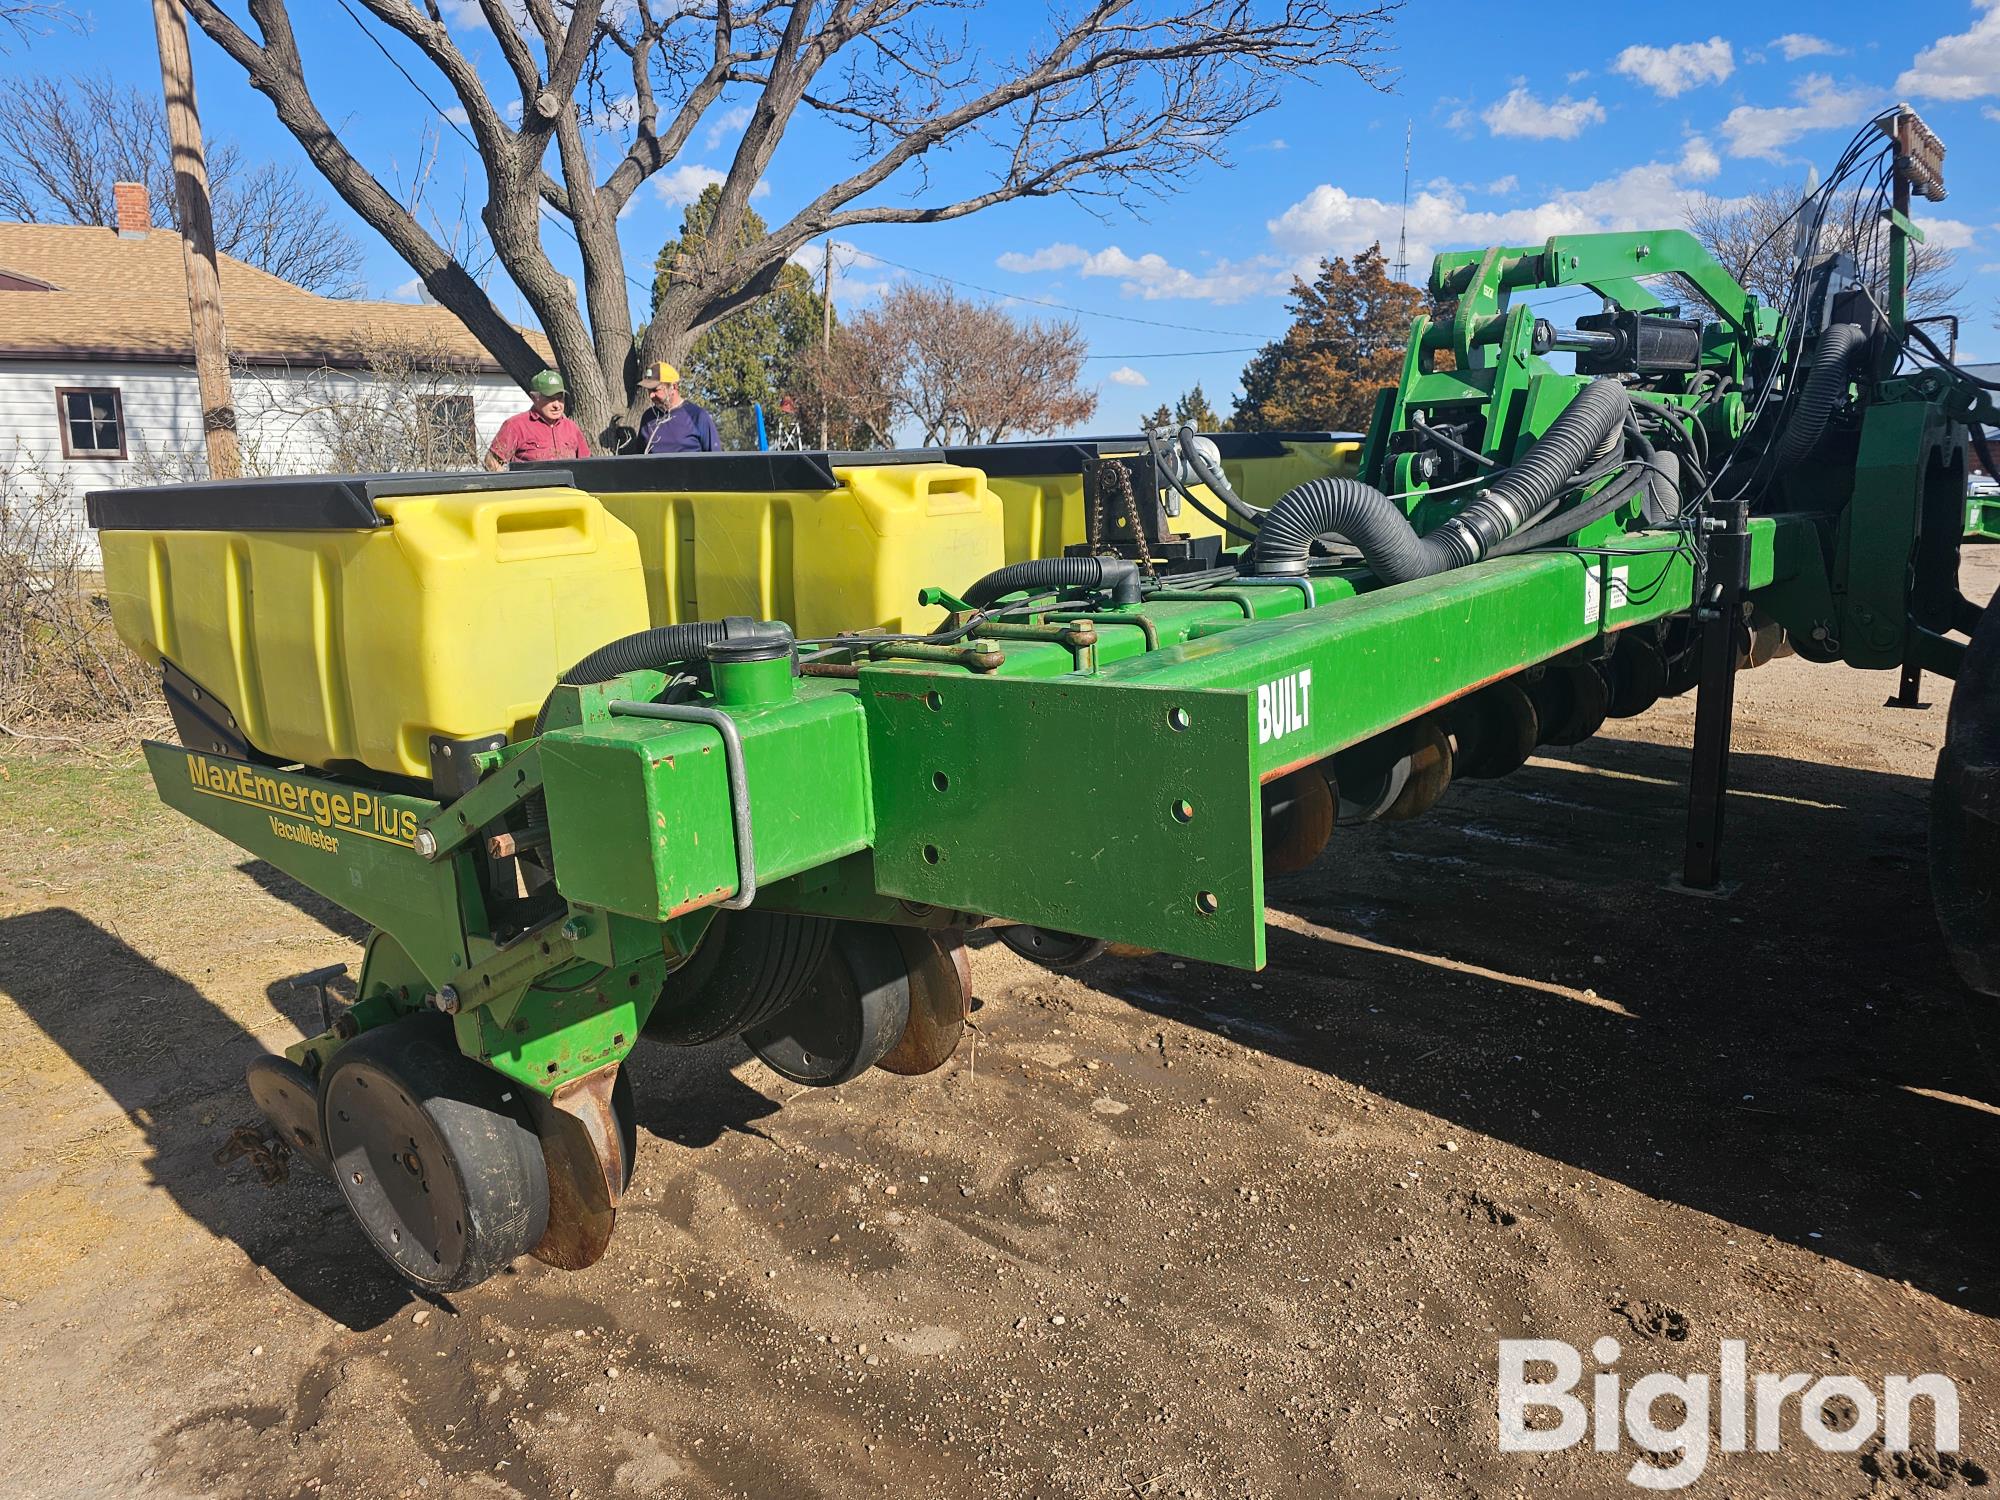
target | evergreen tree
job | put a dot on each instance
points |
(1193, 407)
(754, 354)
(1160, 417)
(1349, 330)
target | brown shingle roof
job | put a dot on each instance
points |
(121, 298)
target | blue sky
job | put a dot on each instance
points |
(1603, 119)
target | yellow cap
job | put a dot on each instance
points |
(663, 374)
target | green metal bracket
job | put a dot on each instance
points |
(1121, 813)
(506, 788)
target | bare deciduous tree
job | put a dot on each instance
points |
(1116, 100)
(24, 20)
(1755, 238)
(958, 371)
(65, 140)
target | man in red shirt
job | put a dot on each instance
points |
(542, 431)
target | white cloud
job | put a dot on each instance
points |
(1577, 77)
(513, 111)
(1965, 65)
(1989, 112)
(1798, 44)
(457, 115)
(1153, 277)
(1672, 71)
(685, 183)
(1506, 184)
(1522, 114)
(727, 124)
(1057, 257)
(848, 288)
(410, 291)
(1948, 234)
(1698, 160)
(1822, 106)
(1126, 375)
(1332, 221)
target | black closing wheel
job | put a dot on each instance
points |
(849, 1016)
(433, 1154)
(750, 966)
(1051, 949)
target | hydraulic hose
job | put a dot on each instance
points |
(1119, 574)
(1825, 388)
(1390, 545)
(1210, 473)
(1168, 473)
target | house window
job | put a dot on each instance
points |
(93, 422)
(446, 424)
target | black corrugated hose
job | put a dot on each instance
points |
(666, 645)
(1119, 574)
(1390, 545)
(1825, 388)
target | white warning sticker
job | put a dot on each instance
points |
(1596, 604)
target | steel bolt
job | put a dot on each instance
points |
(426, 843)
(445, 998)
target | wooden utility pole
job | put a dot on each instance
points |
(204, 280)
(826, 338)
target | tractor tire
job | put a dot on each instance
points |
(1965, 814)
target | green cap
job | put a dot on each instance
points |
(547, 384)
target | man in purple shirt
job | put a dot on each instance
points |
(674, 424)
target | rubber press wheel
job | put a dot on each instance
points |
(849, 1017)
(433, 1154)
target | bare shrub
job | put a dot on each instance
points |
(61, 664)
(411, 410)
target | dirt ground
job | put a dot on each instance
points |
(1166, 1229)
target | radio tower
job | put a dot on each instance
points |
(1401, 269)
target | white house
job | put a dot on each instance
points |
(97, 380)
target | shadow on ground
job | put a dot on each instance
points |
(1797, 1059)
(158, 1047)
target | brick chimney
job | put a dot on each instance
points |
(135, 209)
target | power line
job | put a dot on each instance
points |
(1087, 312)
(458, 130)
(1180, 353)
(555, 219)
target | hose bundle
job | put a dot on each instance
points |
(1390, 545)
